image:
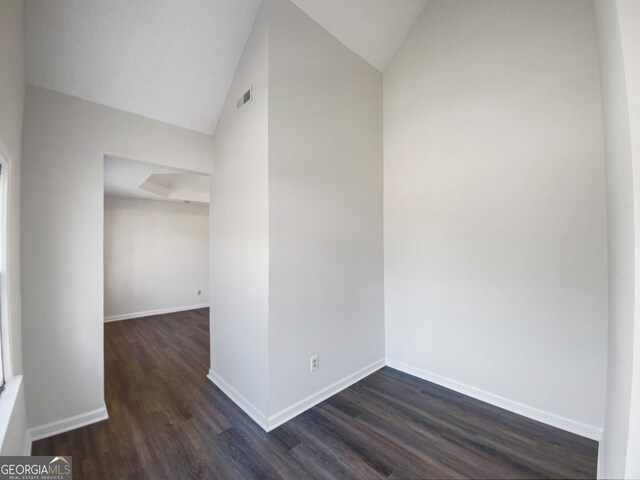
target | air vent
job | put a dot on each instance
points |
(245, 98)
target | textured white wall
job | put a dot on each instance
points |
(240, 234)
(296, 218)
(156, 256)
(495, 219)
(65, 140)
(618, 41)
(325, 210)
(12, 89)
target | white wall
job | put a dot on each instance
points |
(65, 140)
(156, 256)
(296, 220)
(495, 225)
(325, 211)
(240, 235)
(11, 112)
(618, 40)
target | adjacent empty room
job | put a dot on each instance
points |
(156, 240)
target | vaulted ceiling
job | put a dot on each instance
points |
(170, 60)
(174, 61)
(374, 29)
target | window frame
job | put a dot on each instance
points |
(6, 364)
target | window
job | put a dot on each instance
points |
(2, 281)
(4, 317)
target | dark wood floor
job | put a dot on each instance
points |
(167, 421)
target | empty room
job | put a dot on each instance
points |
(337, 239)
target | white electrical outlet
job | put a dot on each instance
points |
(315, 363)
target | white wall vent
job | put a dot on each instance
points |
(245, 98)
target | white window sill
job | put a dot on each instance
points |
(7, 404)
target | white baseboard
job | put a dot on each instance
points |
(26, 448)
(66, 424)
(533, 413)
(296, 409)
(149, 313)
(602, 468)
(274, 421)
(248, 408)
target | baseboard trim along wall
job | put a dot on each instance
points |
(602, 466)
(305, 404)
(246, 406)
(150, 313)
(26, 448)
(67, 424)
(533, 413)
(277, 419)
(283, 416)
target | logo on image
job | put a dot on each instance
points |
(35, 468)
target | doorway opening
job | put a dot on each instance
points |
(156, 284)
(156, 240)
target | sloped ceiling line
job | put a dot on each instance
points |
(174, 61)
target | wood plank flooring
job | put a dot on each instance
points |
(167, 421)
